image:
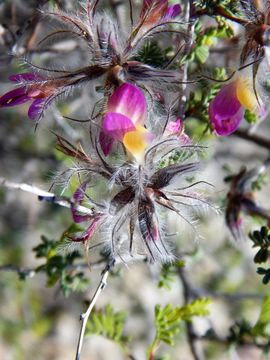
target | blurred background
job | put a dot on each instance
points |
(37, 320)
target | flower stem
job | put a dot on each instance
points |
(84, 316)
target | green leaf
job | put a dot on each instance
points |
(198, 307)
(46, 249)
(261, 256)
(168, 274)
(168, 320)
(60, 268)
(251, 117)
(202, 53)
(110, 324)
(152, 54)
(264, 318)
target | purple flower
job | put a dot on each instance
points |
(94, 218)
(173, 11)
(177, 128)
(124, 121)
(33, 89)
(78, 198)
(227, 109)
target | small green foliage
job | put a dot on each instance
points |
(198, 307)
(251, 117)
(110, 324)
(152, 54)
(262, 324)
(261, 239)
(199, 100)
(168, 274)
(46, 248)
(176, 157)
(239, 332)
(259, 182)
(265, 273)
(231, 6)
(60, 268)
(168, 320)
(164, 357)
(201, 53)
(244, 333)
(205, 39)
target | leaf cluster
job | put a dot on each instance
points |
(259, 182)
(244, 333)
(152, 54)
(176, 157)
(168, 274)
(205, 39)
(60, 267)
(261, 239)
(169, 318)
(110, 324)
(231, 6)
(199, 100)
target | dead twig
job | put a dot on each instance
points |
(84, 317)
(45, 195)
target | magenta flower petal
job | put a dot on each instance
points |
(88, 232)
(225, 125)
(79, 193)
(173, 11)
(106, 143)
(25, 77)
(225, 111)
(93, 227)
(175, 127)
(36, 108)
(114, 128)
(130, 101)
(14, 97)
(117, 125)
(78, 197)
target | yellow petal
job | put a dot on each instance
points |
(136, 142)
(245, 94)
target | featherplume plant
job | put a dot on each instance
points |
(145, 83)
(132, 221)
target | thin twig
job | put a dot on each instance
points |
(187, 49)
(30, 272)
(190, 294)
(22, 272)
(45, 195)
(84, 317)
(225, 341)
(256, 139)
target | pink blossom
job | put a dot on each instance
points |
(177, 128)
(127, 111)
(32, 92)
(227, 109)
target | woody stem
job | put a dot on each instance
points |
(84, 317)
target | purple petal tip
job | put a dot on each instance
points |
(130, 101)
